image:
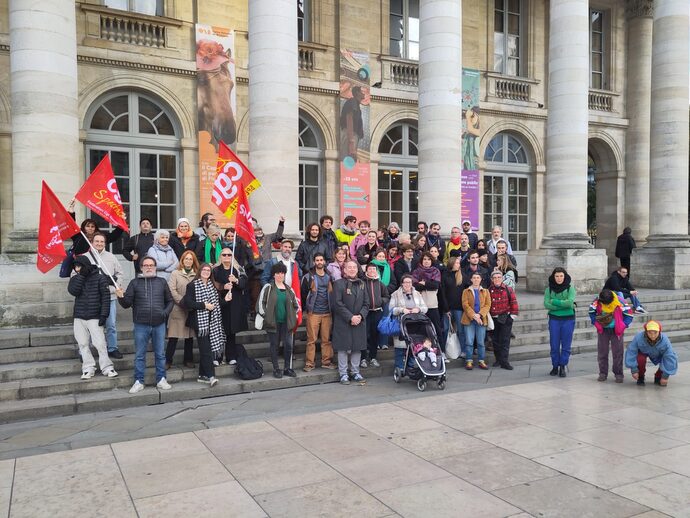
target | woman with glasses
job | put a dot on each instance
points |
(405, 300)
(230, 278)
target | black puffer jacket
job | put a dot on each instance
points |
(150, 299)
(90, 289)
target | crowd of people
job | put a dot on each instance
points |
(207, 284)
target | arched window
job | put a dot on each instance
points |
(397, 177)
(310, 171)
(142, 139)
(507, 190)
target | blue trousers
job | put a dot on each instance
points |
(110, 327)
(142, 334)
(472, 331)
(560, 339)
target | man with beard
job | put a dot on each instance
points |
(318, 287)
(312, 244)
(136, 247)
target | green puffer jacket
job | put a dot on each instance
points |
(560, 305)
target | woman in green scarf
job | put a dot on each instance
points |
(208, 250)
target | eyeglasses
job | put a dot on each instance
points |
(148, 265)
(226, 255)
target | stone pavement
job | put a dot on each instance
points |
(524, 445)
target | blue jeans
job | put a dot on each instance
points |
(457, 317)
(471, 331)
(110, 329)
(560, 339)
(142, 334)
(400, 358)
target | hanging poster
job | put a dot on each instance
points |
(469, 178)
(216, 106)
(354, 134)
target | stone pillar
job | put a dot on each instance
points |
(565, 242)
(665, 259)
(440, 111)
(274, 110)
(638, 102)
(45, 121)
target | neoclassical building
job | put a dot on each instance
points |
(584, 112)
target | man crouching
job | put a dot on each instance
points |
(652, 344)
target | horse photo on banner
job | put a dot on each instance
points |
(355, 100)
(215, 66)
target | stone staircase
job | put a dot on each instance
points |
(40, 371)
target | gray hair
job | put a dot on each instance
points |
(161, 232)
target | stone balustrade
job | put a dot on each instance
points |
(501, 87)
(400, 72)
(600, 100)
(306, 59)
(125, 29)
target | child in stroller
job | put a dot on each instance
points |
(423, 359)
(425, 349)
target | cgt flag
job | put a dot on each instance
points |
(243, 222)
(54, 226)
(101, 195)
(231, 175)
(298, 293)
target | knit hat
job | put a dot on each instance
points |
(652, 325)
(183, 220)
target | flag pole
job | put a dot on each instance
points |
(271, 198)
(100, 264)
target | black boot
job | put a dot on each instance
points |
(640, 380)
(561, 371)
(554, 371)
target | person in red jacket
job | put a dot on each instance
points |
(504, 309)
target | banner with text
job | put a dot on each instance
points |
(216, 106)
(469, 179)
(355, 100)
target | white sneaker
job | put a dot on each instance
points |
(163, 384)
(374, 363)
(87, 375)
(110, 374)
(213, 381)
(232, 362)
(137, 387)
(216, 363)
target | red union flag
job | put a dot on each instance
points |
(101, 195)
(231, 176)
(243, 222)
(55, 225)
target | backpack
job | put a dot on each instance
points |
(247, 368)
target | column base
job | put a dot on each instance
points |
(663, 263)
(587, 267)
(567, 241)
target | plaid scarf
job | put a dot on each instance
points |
(209, 322)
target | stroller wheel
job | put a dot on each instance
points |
(441, 384)
(397, 374)
(421, 385)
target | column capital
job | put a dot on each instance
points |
(639, 9)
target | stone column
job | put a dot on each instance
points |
(665, 259)
(638, 102)
(45, 122)
(274, 109)
(565, 242)
(440, 111)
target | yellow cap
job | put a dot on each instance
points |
(652, 325)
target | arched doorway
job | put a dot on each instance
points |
(397, 177)
(311, 156)
(142, 138)
(605, 196)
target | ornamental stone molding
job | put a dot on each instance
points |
(639, 9)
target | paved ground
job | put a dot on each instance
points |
(493, 444)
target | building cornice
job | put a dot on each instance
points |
(106, 62)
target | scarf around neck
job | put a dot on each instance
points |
(384, 271)
(207, 251)
(209, 323)
(455, 240)
(426, 274)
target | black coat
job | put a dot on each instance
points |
(190, 303)
(401, 269)
(349, 298)
(624, 245)
(617, 283)
(150, 300)
(179, 247)
(81, 245)
(307, 249)
(467, 277)
(92, 296)
(377, 293)
(452, 293)
(365, 253)
(139, 244)
(234, 313)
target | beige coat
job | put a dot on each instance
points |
(178, 316)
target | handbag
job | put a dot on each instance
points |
(259, 322)
(67, 264)
(389, 326)
(490, 322)
(452, 344)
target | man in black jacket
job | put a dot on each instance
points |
(313, 244)
(138, 245)
(151, 303)
(620, 283)
(91, 309)
(474, 266)
(624, 247)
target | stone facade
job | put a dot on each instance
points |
(154, 55)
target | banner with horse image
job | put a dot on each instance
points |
(469, 177)
(216, 105)
(355, 100)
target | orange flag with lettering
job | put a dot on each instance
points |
(243, 222)
(54, 226)
(231, 176)
(101, 195)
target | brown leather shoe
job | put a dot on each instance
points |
(308, 368)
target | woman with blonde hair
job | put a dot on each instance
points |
(185, 273)
(507, 268)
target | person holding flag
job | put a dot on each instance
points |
(229, 277)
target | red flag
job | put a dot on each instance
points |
(55, 224)
(100, 194)
(243, 222)
(298, 291)
(231, 175)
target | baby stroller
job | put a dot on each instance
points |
(415, 328)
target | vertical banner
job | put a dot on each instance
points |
(355, 100)
(215, 68)
(469, 179)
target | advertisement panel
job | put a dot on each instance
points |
(469, 177)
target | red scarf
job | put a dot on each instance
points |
(455, 240)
